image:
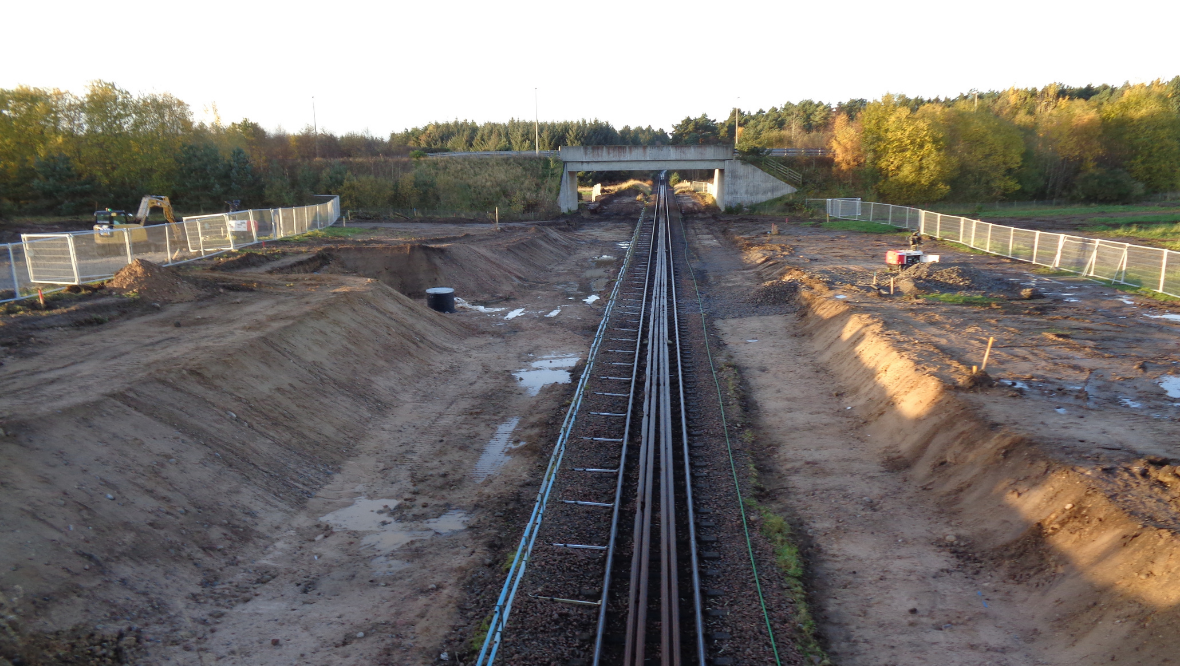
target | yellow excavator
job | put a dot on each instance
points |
(107, 221)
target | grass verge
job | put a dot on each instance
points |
(790, 564)
(862, 227)
(329, 232)
(1139, 291)
(962, 299)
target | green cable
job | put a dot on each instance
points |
(729, 448)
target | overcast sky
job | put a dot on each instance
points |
(382, 66)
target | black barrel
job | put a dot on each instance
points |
(441, 299)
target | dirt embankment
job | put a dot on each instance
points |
(145, 466)
(490, 269)
(1099, 572)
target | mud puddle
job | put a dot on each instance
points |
(386, 533)
(495, 452)
(549, 369)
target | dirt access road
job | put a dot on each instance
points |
(302, 465)
(1030, 521)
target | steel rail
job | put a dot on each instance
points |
(503, 607)
(614, 522)
(690, 507)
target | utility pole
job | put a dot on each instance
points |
(536, 125)
(737, 111)
(315, 128)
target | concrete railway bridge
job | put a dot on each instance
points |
(735, 181)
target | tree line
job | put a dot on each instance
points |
(65, 154)
(1102, 144)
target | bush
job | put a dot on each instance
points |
(1108, 186)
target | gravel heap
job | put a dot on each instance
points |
(154, 283)
(774, 292)
(933, 277)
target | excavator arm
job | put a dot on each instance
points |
(153, 201)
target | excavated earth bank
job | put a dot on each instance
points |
(937, 531)
(293, 468)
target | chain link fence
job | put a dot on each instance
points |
(50, 261)
(1152, 268)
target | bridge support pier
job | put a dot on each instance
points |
(718, 189)
(567, 197)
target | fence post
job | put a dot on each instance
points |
(253, 226)
(870, 211)
(890, 214)
(168, 244)
(989, 237)
(1123, 264)
(938, 226)
(974, 223)
(229, 234)
(962, 223)
(73, 259)
(1163, 267)
(1036, 244)
(1060, 246)
(16, 282)
(1089, 270)
(1011, 240)
(127, 244)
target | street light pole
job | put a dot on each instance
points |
(737, 110)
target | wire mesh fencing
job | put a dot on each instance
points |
(48, 262)
(1140, 266)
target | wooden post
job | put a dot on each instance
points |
(891, 279)
(986, 354)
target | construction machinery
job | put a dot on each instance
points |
(108, 221)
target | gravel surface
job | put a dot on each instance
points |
(541, 631)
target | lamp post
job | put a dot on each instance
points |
(737, 117)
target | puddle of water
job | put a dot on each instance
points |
(495, 452)
(514, 314)
(1127, 301)
(549, 369)
(1169, 317)
(841, 296)
(1060, 410)
(1073, 300)
(1171, 385)
(386, 533)
(1014, 384)
(464, 305)
(554, 313)
(752, 340)
(1127, 402)
(590, 299)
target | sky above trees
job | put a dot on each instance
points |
(385, 67)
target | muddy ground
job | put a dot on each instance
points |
(1026, 518)
(303, 464)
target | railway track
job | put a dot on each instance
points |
(634, 553)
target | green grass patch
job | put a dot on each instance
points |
(480, 635)
(862, 227)
(1052, 272)
(962, 299)
(963, 248)
(328, 232)
(790, 564)
(1139, 291)
(1047, 211)
(1116, 222)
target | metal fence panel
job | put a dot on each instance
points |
(1134, 265)
(87, 256)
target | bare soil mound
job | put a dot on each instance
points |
(153, 282)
